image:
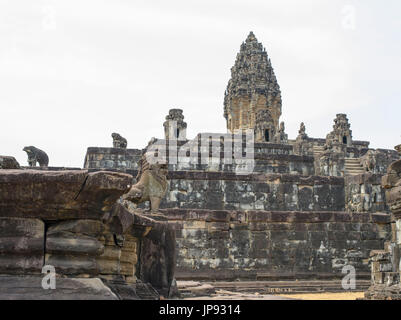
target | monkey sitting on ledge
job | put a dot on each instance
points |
(119, 141)
(36, 155)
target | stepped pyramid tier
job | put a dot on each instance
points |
(253, 86)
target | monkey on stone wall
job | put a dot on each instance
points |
(36, 155)
(119, 141)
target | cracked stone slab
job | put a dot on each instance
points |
(30, 288)
(54, 195)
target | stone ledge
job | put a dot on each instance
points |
(51, 168)
(274, 216)
(54, 195)
(368, 177)
(30, 288)
(106, 150)
(229, 274)
(257, 177)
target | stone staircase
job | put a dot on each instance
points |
(353, 167)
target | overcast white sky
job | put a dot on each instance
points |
(72, 72)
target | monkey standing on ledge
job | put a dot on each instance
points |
(36, 155)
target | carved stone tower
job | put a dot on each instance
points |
(253, 87)
(341, 133)
(174, 126)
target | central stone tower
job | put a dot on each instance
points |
(252, 88)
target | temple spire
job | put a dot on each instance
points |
(253, 87)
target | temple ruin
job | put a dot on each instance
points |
(309, 207)
(251, 204)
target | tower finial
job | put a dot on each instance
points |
(251, 37)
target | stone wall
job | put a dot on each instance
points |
(364, 193)
(284, 192)
(386, 262)
(268, 158)
(264, 163)
(21, 245)
(112, 158)
(331, 164)
(221, 244)
(377, 161)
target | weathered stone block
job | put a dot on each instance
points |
(305, 198)
(21, 245)
(7, 162)
(217, 226)
(83, 226)
(33, 194)
(258, 216)
(75, 265)
(29, 288)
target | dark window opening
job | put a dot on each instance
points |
(267, 138)
(178, 133)
(345, 140)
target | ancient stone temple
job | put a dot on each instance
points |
(248, 204)
(306, 208)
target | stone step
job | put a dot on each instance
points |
(354, 173)
(195, 288)
(352, 161)
(353, 167)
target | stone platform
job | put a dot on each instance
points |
(192, 289)
(72, 221)
(274, 245)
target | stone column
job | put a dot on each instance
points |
(174, 127)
